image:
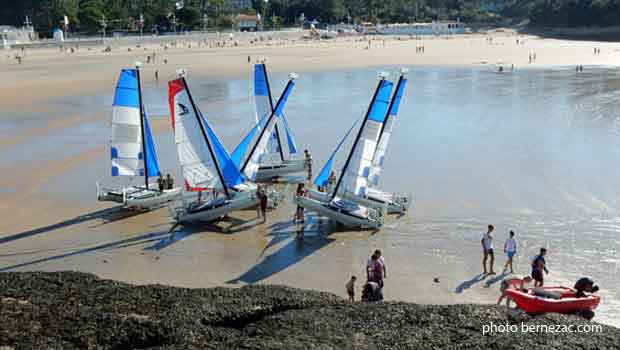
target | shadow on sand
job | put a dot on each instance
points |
(107, 215)
(306, 240)
(469, 283)
(495, 279)
(227, 225)
(123, 243)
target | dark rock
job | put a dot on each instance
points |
(70, 310)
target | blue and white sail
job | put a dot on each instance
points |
(354, 179)
(253, 161)
(384, 139)
(263, 101)
(322, 180)
(205, 164)
(129, 151)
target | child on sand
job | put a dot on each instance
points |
(514, 283)
(350, 286)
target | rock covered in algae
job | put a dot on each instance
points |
(71, 310)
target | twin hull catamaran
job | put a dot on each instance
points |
(372, 197)
(205, 164)
(353, 181)
(132, 149)
(274, 162)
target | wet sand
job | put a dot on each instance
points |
(53, 151)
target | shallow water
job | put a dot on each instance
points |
(533, 151)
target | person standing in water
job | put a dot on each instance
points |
(510, 248)
(538, 266)
(308, 158)
(487, 250)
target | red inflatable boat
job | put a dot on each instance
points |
(552, 299)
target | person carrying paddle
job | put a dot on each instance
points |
(538, 266)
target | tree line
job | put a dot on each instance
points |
(89, 16)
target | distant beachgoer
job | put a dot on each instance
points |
(331, 181)
(534, 56)
(381, 261)
(169, 182)
(514, 283)
(153, 57)
(258, 198)
(308, 163)
(263, 204)
(249, 59)
(165, 61)
(299, 213)
(161, 183)
(350, 286)
(374, 270)
(156, 75)
(372, 292)
(538, 266)
(530, 58)
(487, 250)
(510, 248)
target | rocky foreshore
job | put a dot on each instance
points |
(71, 310)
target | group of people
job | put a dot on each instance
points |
(539, 265)
(166, 183)
(376, 272)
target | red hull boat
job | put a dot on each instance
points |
(552, 299)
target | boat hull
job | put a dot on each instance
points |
(135, 197)
(567, 304)
(239, 202)
(270, 172)
(374, 220)
(379, 201)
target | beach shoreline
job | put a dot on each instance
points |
(54, 93)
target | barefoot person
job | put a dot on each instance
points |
(350, 286)
(487, 250)
(514, 283)
(538, 266)
(510, 248)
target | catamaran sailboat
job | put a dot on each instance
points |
(353, 181)
(205, 164)
(374, 198)
(132, 148)
(275, 162)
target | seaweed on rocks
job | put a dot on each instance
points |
(72, 310)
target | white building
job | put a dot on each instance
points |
(433, 28)
(248, 23)
(15, 36)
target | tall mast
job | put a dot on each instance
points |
(389, 110)
(262, 131)
(359, 135)
(271, 105)
(146, 167)
(204, 134)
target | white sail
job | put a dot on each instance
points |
(355, 176)
(196, 161)
(252, 164)
(384, 139)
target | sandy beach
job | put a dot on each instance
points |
(50, 160)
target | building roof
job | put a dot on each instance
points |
(243, 17)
